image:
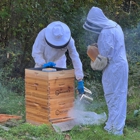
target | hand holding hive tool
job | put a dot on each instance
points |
(80, 87)
(98, 62)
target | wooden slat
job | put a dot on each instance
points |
(37, 81)
(66, 88)
(36, 100)
(61, 74)
(62, 82)
(36, 86)
(37, 123)
(61, 93)
(37, 112)
(36, 93)
(42, 115)
(61, 101)
(37, 106)
(37, 116)
(49, 75)
(52, 93)
(60, 106)
(37, 119)
(61, 120)
(58, 114)
(36, 74)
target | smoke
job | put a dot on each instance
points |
(83, 117)
(132, 41)
(90, 38)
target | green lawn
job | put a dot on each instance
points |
(11, 103)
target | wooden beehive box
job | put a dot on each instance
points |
(48, 95)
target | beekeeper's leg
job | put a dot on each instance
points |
(108, 126)
(61, 62)
(119, 119)
(116, 103)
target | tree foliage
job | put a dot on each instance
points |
(22, 20)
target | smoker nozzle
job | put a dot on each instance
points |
(87, 90)
(87, 97)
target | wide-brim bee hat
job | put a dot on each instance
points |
(57, 34)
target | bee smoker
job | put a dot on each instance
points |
(87, 95)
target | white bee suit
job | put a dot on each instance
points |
(43, 53)
(115, 75)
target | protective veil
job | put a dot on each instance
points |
(115, 75)
(43, 53)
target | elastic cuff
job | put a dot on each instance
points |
(79, 79)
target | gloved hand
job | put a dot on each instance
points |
(49, 64)
(80, 87)
(100, 63)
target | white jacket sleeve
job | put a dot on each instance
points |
(38, 50)
(77, 64)
(106, 44)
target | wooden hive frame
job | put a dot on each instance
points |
(48, 95)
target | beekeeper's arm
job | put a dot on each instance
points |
(77, 64)
(98, 62)
(38, 49)
(106, 44)
(105, 48)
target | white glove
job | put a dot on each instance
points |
(100, 63)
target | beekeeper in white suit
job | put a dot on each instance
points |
(115, 73)
(50, 47)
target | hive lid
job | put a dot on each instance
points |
(56, 68)
(49, 69)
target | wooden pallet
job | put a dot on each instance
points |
(5, 117)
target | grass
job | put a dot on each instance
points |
(11, 103)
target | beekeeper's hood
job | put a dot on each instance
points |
(57, 34)
(96, 21)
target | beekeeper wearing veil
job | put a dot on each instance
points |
(113, 63)
(50, 47)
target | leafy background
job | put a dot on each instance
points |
(20, 23)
